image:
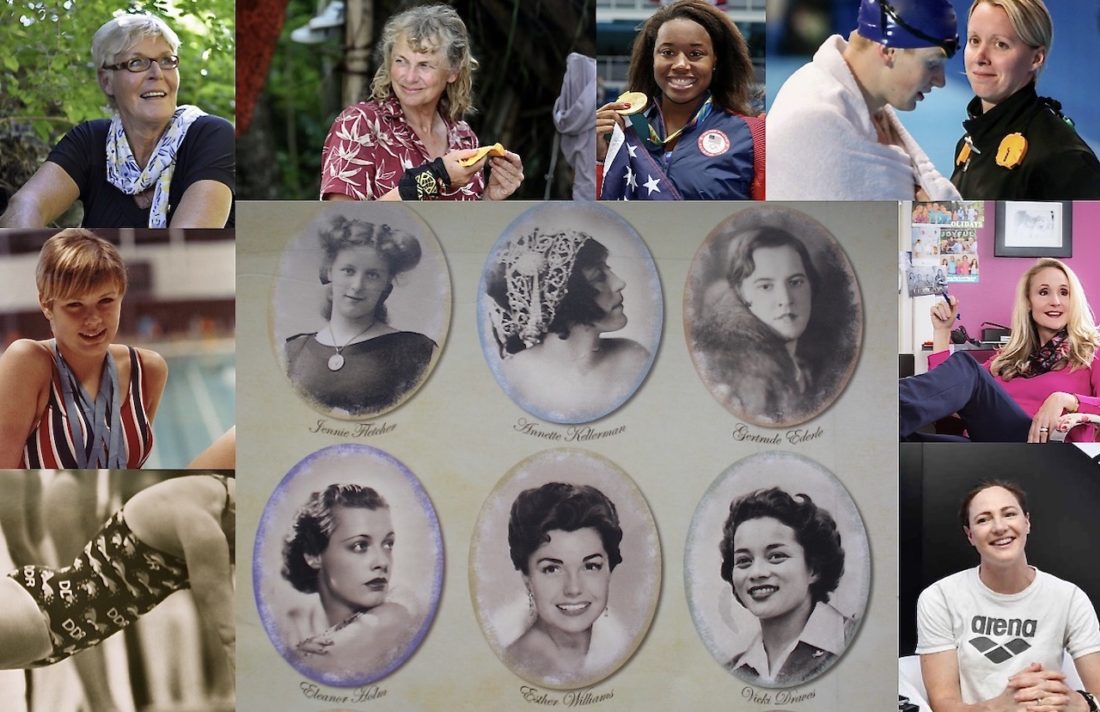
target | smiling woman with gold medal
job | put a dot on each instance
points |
(1018, 145)
(686, 129)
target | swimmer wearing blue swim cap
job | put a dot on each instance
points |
(833, 129)
(910, 24)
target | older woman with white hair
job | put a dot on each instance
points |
(154, 164)
(408, 141)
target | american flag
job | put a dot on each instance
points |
(631, 173)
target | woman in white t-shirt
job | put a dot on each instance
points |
(992, 638)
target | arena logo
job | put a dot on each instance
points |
(999, 653)
(983, 625)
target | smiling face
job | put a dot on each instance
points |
(353, 572)
(85, 324)
(419, 78)
(146, 98)
(998, 526)
(770, 575)
(683, 60)
(360, 276)
(998, 62)
(1049, 298)
(569, 577)
(778, 291)
(913, 75)
(608, 297)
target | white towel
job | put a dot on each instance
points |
(822, 144)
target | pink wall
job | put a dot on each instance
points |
(991, 298)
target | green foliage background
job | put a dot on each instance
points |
(47, 80)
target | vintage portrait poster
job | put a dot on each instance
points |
(461, 434)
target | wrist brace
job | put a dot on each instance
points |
(424, 182)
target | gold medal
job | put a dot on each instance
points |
(636, 99)
(1012, 150)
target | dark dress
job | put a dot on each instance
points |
(113, 582)
(377, 373)
(1057, 163)
(207, 153)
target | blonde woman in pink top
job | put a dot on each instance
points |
(1045, 380)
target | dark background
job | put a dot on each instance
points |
(1063, 488)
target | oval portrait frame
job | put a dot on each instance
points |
(500, 597)
(282, 608)
(742, 362)
(420, 301)
(643, 304)
(726, 627)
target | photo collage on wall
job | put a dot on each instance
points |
(507, 433)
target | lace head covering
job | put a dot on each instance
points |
(536, 273)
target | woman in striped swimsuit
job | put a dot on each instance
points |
(93, 401)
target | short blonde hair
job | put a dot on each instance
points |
(1083, 338)
(75, 261)
(431, 28)
(1030, 20)
(123, 32)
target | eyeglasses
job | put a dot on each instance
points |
(949, 46)
(137, 65)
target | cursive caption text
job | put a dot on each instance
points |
(576, 698)
(572, 434)
(352, 430)
(362, 694)
(797, 436)
(776, 697)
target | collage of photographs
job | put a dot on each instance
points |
(826, 435)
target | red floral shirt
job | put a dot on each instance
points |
(370, 146)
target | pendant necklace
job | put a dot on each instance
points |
(336, 361)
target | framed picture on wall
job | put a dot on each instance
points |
(1034, 229)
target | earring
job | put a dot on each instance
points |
(605, 613)
(531, 612)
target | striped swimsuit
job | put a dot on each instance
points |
(50, 445)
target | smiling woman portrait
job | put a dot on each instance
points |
(1018, 145)
(777, 570)
(408, 141)
(1046, 379)
(78, 400)
(783, 556)
(965, 663)
(565, 569)
(698, 136)
(154, 164)
(564, 540)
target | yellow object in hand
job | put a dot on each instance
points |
(636, 99)
(495, 150)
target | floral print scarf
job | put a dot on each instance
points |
(124, 174)
(1047, 356)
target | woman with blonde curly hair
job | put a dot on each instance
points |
(408, 140)
(1045, 379)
